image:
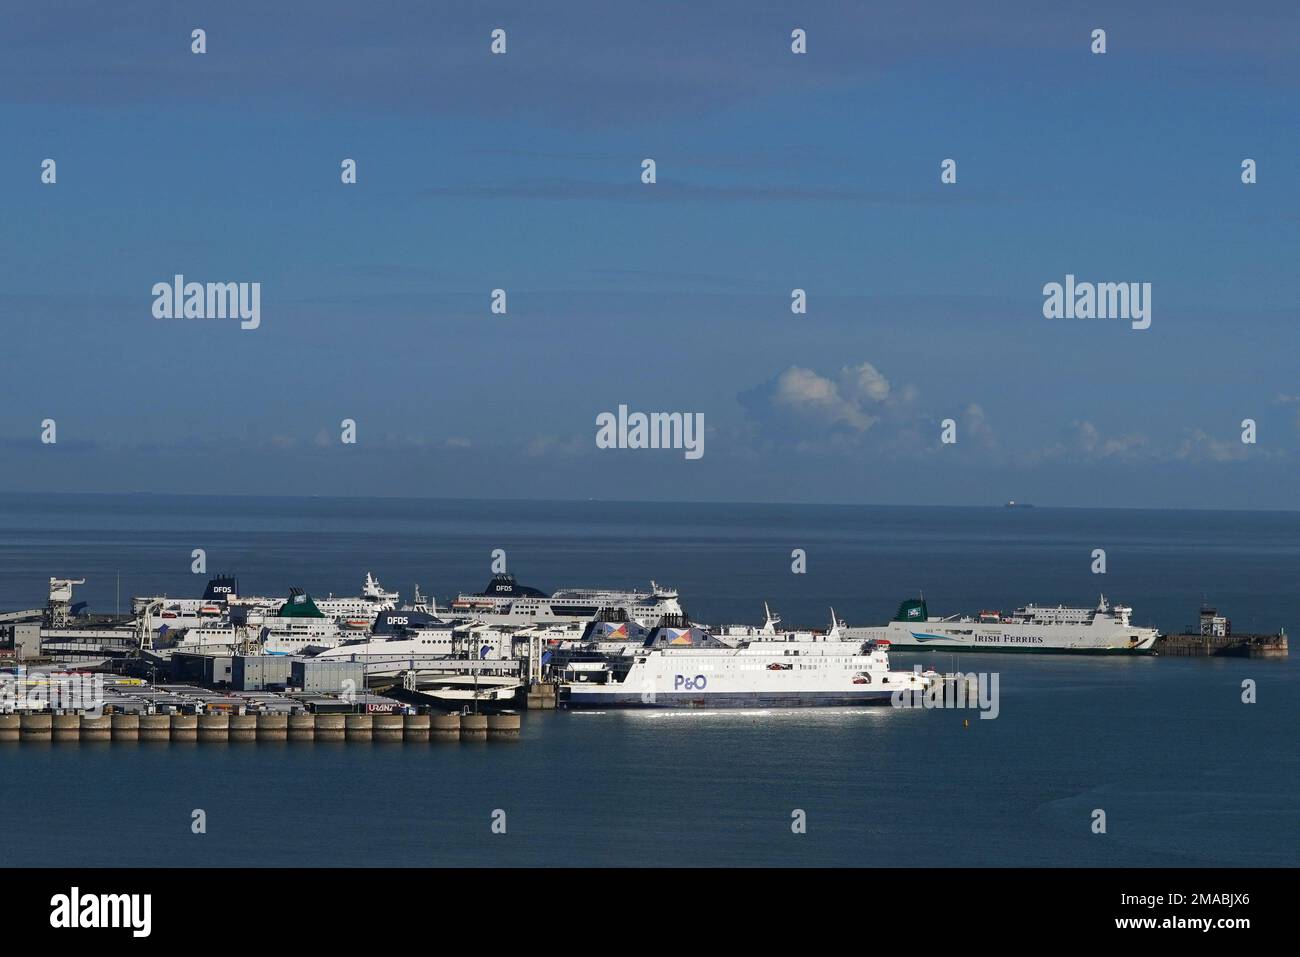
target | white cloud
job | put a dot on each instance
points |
(1198, 445)
(810, 395)
(865, 383)
(977, 425)
(1089, 440)
(850, 402)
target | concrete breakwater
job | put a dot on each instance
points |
(1227, 646)
(206, 728)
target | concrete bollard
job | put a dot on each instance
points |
(387, 727)
(415, 727)
(302, 727)
(10, 727)
(96, 728)
(126, 727)
(67, 727)
(473, 727)
(503, 727)
(214, 727)
(155, 727)
(37, 727)
(243, 727)
(360, 727)
(544, 697)
(272, 727)
(329, 727)
(444, 727)
(185, 727)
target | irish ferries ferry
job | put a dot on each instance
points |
(1106, 629)
(689, 668)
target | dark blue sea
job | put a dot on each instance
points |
(1187, 774)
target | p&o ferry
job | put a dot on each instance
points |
(689, 668)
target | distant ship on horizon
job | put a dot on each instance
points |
(1012, 503)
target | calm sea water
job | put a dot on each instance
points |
(1186, 773)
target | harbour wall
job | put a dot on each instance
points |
(43, 726)
(1229, 646)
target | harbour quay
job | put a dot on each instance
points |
(1223, 646)
(1215, 638)
(132, 710)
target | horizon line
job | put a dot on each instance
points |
(616, 501)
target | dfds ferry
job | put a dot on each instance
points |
(222, 594)
(180, 614)
(689, 668)
(1105, 629)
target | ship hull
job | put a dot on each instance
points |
(956, 647)
(965, 637)
(759, 699)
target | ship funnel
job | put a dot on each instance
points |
(914, 609)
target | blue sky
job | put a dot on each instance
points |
(775, 171)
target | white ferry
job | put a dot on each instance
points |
(222, 594)
(435, 638)
(357, 613)
(220, 636)
(689, 668)
(1105, 629)
(182, 614)
(506, 602)
(297, 626)
(737, 634)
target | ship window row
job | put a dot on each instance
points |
(818, 664)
